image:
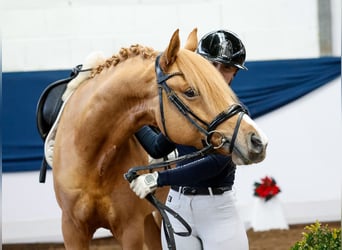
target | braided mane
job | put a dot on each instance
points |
(124, 54)
(97, 62)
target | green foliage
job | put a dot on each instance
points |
(319, 238)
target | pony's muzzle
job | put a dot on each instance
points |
(256, 144)
(256, 147)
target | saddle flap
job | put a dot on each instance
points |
(49, 105)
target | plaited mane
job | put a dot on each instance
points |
(97, 62)
(124, 54)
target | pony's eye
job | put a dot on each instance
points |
(190, 93)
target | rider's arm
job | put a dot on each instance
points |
(156, 144)
(194, 171)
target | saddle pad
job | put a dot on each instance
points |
(50, 138)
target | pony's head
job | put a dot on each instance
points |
(211, 112)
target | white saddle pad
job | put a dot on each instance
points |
(50, 139)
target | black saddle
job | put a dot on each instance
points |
(48, 107)
(49, 104)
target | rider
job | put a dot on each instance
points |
(201, 189)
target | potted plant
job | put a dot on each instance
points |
(319, 237)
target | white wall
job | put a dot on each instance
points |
(304, 136)
(48, 34)
(304, 156)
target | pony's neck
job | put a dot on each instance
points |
(118, 102)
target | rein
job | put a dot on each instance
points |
(161, 207)
(209, 131)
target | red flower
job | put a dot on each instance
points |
(266, 189)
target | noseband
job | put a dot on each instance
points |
(209, 131)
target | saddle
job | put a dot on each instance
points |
(48, 107)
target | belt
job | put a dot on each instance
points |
(201, 190)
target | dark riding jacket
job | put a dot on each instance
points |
(212, 170)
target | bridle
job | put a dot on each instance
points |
(208, 130)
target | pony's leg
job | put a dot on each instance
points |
(132, 237)
(75, 238)
(152, 233)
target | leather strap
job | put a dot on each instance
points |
(201, 190)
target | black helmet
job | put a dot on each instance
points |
(223, 46)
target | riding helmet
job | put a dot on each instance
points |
(224, 47)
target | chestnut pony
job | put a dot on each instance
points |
(95, 144)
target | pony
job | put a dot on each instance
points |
(94, 143)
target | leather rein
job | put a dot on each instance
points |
(209, 131)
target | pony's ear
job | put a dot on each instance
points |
(191, 43)
(170, 54)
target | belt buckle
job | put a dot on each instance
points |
(220, 190)
(189, 190)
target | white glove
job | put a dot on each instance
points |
(144, 184)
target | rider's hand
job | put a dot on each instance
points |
(144, 184)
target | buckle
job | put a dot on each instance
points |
(189, 190)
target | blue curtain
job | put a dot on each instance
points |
(266, 86)
(22, 147)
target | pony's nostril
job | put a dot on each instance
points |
(256, 140)
(257, 144)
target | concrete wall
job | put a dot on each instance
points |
(304, 150)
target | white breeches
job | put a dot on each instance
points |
(214, 220)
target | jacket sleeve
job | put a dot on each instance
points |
(194, 171)
(155, 144)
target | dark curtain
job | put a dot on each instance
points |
(266, 86)
(22, 147)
